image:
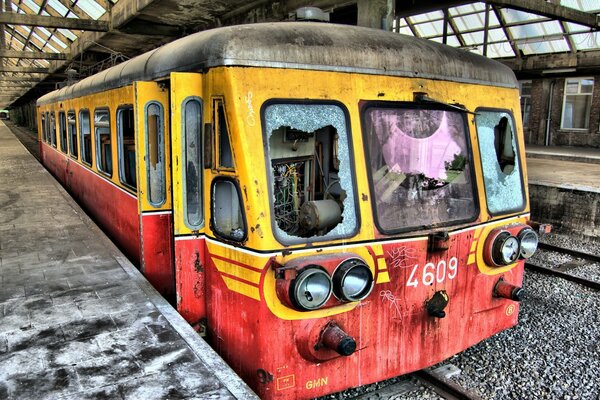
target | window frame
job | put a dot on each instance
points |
(508, 212)
(564, 100)
(213, 227)
(81, 138)
(217, 137)
(161, 147)
(411, 105)
(53, 121)
(72, 146)
(184, 104)
(62, 130)
(98, 144)
(120, 155)
(353, 173)
(43, 126)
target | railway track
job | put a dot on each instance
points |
(556, 272)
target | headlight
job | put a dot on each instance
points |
(529, 242)
(310, 289)
(352, 280)
(505, 249)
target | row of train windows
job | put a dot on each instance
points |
(68, 138)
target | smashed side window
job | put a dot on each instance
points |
(419, 167)
(310, 171)
(501, 169)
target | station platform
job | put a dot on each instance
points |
(564, 189)
(77, 319)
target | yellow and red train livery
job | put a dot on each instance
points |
(330, 205)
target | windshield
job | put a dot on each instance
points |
(419, 167)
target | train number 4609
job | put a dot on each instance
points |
(433, 273)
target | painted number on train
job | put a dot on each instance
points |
(432, 273)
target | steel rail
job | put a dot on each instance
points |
(444, 387)
(573, 278)
(575, 253)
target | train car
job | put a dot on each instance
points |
(329, 205)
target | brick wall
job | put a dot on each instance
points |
(536, 131)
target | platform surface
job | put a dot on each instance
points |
(568, 168)
(77, 320)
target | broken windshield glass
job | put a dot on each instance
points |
(501, 169)
(310, 171)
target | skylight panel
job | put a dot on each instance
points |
(405, 30)
(469, 22)
(473, 38)
(67, 33)
(44, 31)
(427, 17)
(587, 41)
(576, 28)
(62, 10)
(430, 29)
(515, 16)
(466, 9)
(497, 35)
(452, 41)
(34, 7)
(582, 5)
(91, 8)
(554, 46)
(536, 30)
(500, 50)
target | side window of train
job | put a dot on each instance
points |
(192, 159)
(310, 170)
(62, 127)
(72, 128)
(226, 210)
(126, 146)
(85, 137)
(155, 150)
(499, 156)
(103, 141)
(44, 127)
(52, 129)
(224, 154)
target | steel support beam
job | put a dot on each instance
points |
(39, 55)
(18, 79)
(26, 70)
(547, 62)
(54, 22)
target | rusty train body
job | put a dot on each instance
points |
(329, 205)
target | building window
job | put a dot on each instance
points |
(72, 134)
(577, 103)
(85, 137)
(103, 141)
(525, 89)
(126, 145)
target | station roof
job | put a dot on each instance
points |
(45, 42)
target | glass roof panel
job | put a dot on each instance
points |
(405, 30)
(536, 30)
(466, 9)
(415, 19)
(497, 35)
(62, 10)
(576, 28)
(469, 22)
(513, 16)
(553, 46)
(67, 33)
(91, 8)
(34, 7)
(582, 5)
(452, 41)
(430, 29)
(499, 50)
(474, 38)
(587, 41)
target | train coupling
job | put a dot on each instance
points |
(334, 338)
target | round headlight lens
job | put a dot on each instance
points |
(529, 242)
(506, 249)
(352, 280)
(310, 289)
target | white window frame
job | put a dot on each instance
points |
(562, 119)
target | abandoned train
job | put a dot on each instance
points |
(330, 205)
